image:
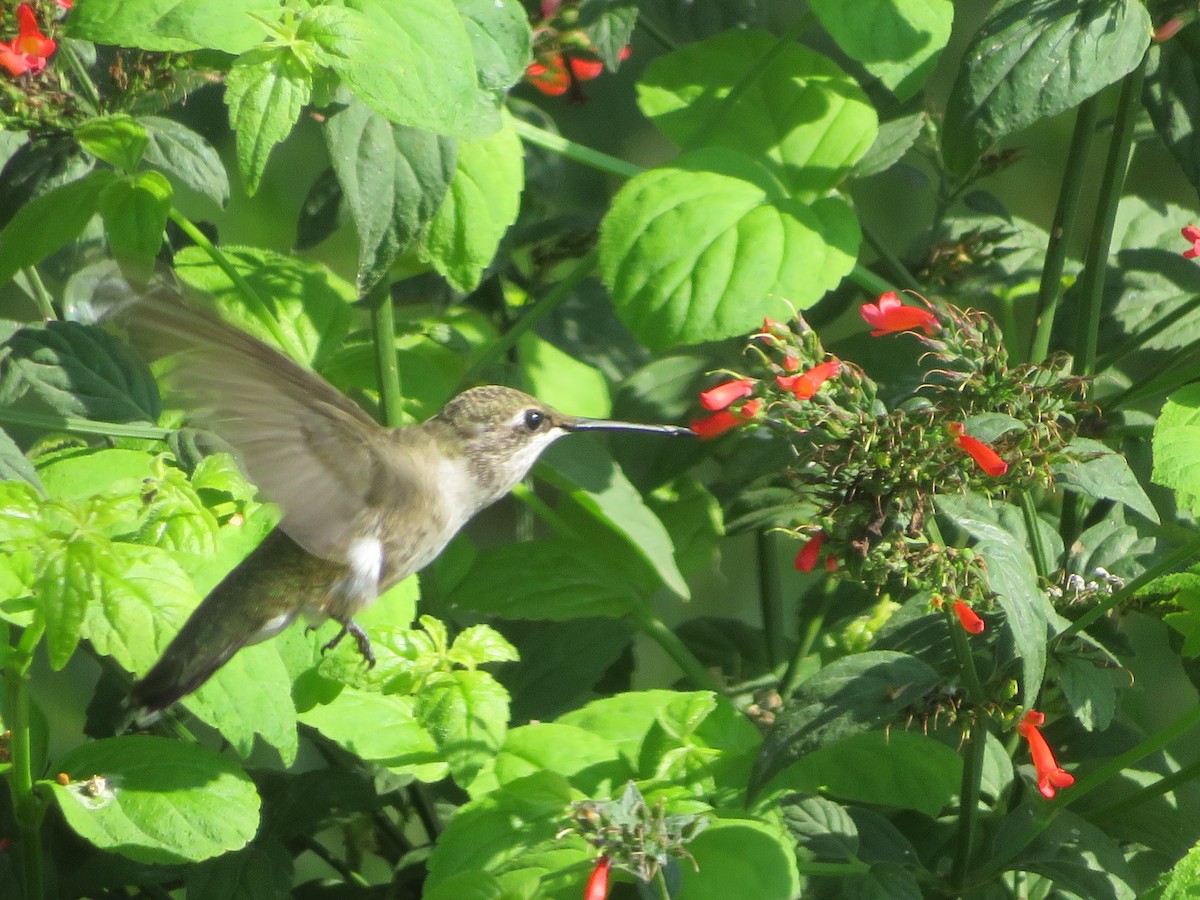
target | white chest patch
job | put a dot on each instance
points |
(365, 557)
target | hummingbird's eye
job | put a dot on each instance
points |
(534, 419)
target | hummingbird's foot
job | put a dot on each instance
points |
(360, 637)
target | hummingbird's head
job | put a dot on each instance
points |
(501, 431)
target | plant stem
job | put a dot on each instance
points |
(577, 152)
(54, 422)
(660, 884)
(804, 646)
(1182, 311)
(27, 807)
(1050, 289)
(1170, 563)
(868, 280)
(348, 874)
(1116, 808)
(1091, 291)
(253, 300)
(531, 316)
(771, 598)
(383, 332)
(90, 94)
(891, 262)
(968, 815)
(657, 631)
(1041, 560)
(41, 296)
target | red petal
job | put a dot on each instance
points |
(987, 458)
(750, 409)
(722, 395)
(716, 424)
(888, 315)
(585, 69)
(14, 62)
(806, 559)
(597, 883)
(968, 618)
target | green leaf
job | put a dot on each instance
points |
(14, 464)
(740, 858)
(393, 179)
(135, 213)
(79, 474)
(1089, 690)
(467, 714)
(116, 139)
(261, 871)
(1096, 471)
(1176, 437)
(596, 483)
(609, 25)
(1170, 92)
(752, 250)
(80, 370)
(71, 574)
(897, 769)
(1036, 58)
(803, 119)
(265, 91)
(467, 886)
(477, 645)
(310, 305)
(50, 221)
(483, 201)
(379, 728)
(1012, 577)
(156, 800)
(624, 719)
(1080, 858)
(409, 60)
(551, 579)
(693, 519)
(183, 154)
(823, 829)
(850, 696)
(1184, 877)
(589, 762)
(897, 41)
(500, 43)
(232, 26)
(561, 380)
(895, 138)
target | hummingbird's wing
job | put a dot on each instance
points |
(312, 450)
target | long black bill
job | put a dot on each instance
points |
(610, 425)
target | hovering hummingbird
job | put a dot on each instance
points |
(363, 506)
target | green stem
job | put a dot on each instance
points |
(75, 64)
(1173, 373)
(556, 143)
(804, 646)
(1183, 311)
(891, 262)
(348, 874)
(868, 280)
(1082, 788)
(531, 316)
(253, 300)
(1117, 808)
(1041, 559)
(1096, 266)
(28, 809)
(41, 296)
(771, 598)
(972, 779)
(749, 78)
(1170, 563)
(383, 328)
(543, 510)
(53, 422)
(660, 885)
(1050, 289)
(657, 631)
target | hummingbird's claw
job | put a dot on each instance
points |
(360, 638)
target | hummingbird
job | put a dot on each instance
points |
(364, 506)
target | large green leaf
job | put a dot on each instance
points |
(1171, 94)
(231, 26)
(500, 42)
(117, 139)
(135, 213)
(589, 762)
(1011, 575)
(72, 574)
(393, 179)
(184, 154)
(467, 714)
(740, 858)
(80, 370)
(751, 249)
(802, 118)
(265, 90)
(1093, 469)
(1037, 58)
(155, 800)
(483, 201)
(897, 41)
(1176, 439)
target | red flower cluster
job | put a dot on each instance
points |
(30, 49)
(1050, 775)
(806, 559)
(719, 399)
(808, 383)
(987, 458)
(888, 316)
(968, 618)
(597, 883)
(1191, 233)
(554, 74)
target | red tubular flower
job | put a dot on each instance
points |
(585, 69)
(968, 618)
(722, 395)
(808, 383)
(888, 316)
(716, 424)
(831, 562)
(549, 77)
(806, 559)
(750, 409)
(1191, 233)
(30, 49)
(1050, 775)
(597, 883)
(1167, 30)
(987, 458)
